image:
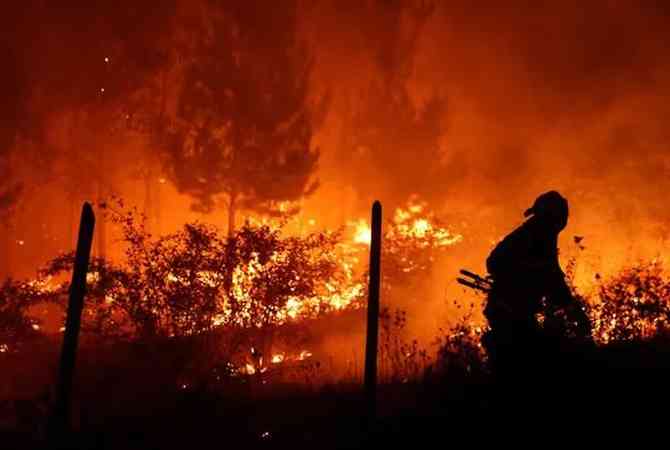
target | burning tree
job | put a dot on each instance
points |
(242, 136)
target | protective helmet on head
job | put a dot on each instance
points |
(550, 205)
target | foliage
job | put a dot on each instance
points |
(15, 324)
(400, 359)
(194, 280)
(243, 135)
(251, 290)
(633, 304)
(459, 349)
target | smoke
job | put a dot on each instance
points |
(477, 107)
(515, 78)
(567, 95)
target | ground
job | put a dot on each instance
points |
(614, 392)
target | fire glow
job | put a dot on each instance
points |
(182, 121)
(239, 305)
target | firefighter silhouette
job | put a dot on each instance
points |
(528, 283)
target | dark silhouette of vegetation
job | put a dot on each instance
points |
(242, 136)
(633, 305)
(195, 280)
(174, 344)
(420, 387)
(16, 326)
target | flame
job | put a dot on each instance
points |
(420, 227)
(336, 294)
(408, 224)
(43, 285)
(285, 206)
(92, 277)
(411, 224)
(362, 233)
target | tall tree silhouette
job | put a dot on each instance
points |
(242, 135)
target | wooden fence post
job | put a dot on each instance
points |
(60, 424)
(371, 343)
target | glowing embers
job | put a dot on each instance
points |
(258, 365)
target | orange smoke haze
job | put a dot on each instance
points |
(509, 101)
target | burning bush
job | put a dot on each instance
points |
(634, 304)
(245, 296)
(220, 303)
(194, 280)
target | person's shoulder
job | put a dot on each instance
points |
(525, 229)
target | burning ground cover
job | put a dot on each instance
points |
(280, 122)
(252, 290)
(257, 297)
(194, 315)
(194, 310)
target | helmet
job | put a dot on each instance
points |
(550, 206)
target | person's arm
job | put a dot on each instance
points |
(559, 293)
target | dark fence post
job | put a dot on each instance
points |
(371, 342)
(60, 424)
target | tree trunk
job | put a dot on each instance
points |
(230, 245)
